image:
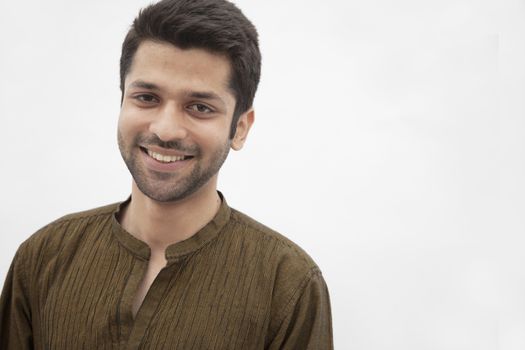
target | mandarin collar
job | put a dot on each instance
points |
(177, 250)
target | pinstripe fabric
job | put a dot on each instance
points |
(235, 284)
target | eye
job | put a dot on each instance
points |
(146, 98)
(199, 107)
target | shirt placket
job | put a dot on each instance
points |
(134, 330)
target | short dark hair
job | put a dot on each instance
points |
(214, 25)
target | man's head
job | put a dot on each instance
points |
(217, 26)
(189, 71)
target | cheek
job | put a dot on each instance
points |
(214, 135)
(130, 121)
(128, 129)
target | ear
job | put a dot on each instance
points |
(243, 127)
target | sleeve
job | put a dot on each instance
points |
(307, 324)
(15, 313)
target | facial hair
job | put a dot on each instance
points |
(165, 186)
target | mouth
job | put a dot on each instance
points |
(165, 158)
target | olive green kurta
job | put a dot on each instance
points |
(235, 284)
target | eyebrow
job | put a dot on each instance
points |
(205, 95)
(144, 85)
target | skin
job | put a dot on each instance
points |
(176, 102)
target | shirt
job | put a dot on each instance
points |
(235, 284)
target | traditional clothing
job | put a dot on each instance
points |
(235, 284)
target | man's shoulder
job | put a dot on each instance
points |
(283, 271)
(277, 246)
(67, 227)
(104, 210)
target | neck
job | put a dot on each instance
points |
(160, 224)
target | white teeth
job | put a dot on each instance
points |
(163, 158)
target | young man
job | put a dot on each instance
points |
(172, 267)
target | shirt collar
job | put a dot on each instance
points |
(177, 250)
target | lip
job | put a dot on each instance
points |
(155, 165)
(164, 151)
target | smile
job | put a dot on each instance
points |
(163, 158)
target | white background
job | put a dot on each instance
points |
(389, 144)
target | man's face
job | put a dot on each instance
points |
(175, 119)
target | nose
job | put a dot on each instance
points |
(169, 123)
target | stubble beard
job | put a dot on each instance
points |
(171, 187)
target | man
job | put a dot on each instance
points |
(172, 267)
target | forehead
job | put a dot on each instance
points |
(171, 67)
